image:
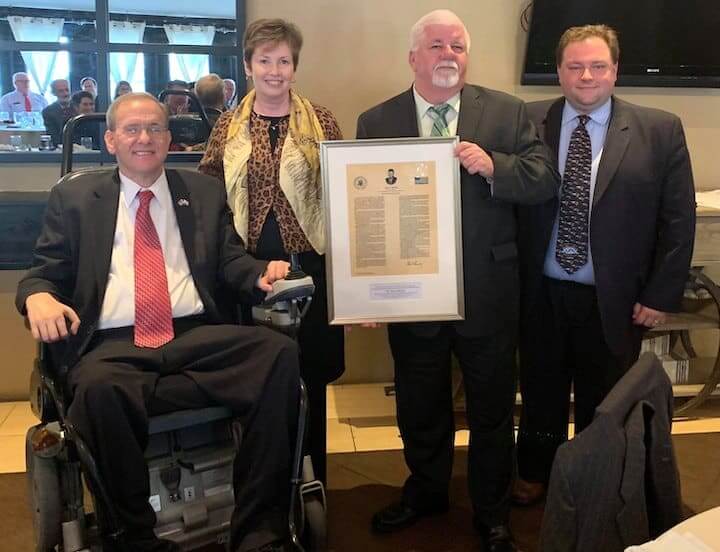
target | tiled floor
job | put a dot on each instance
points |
(361, 418)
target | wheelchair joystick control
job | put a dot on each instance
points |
(170, 477)
(288, 302)
(296, 273)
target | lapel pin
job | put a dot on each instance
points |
(183, 202)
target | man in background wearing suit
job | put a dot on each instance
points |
(132, 260)
(503, 163)
(59, 112)
(605, 260)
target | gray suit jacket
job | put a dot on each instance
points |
(616, 484)
(524, 173)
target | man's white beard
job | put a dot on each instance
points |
(443, 80)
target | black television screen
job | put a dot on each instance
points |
(662, 42)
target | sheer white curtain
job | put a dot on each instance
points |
(189, 67)
(128, 66)
(40, 65)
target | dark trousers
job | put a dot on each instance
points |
(322, 347)
(254, 371)
(562, 345)
(425, 416)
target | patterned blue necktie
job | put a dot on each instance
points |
(571, 250)
(437, 114)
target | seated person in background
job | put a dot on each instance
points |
(89, 84)
(57, 113)
(176, 103)
(122, 88)
(21, 99)
(127, 271)
(210, 91)
(230, 90)
(84, 103)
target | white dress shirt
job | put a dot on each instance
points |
(425, 120)
(14, 102)
(118, 308)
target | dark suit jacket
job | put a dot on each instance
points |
(498, 123)
(72, 254)
(642, 221)
(54, 119)
(616, 484)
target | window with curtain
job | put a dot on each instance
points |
(40, 66)
(189, 67)
(146, 43)
(127, 66)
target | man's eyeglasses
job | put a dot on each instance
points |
(596, 69)
(154, 131)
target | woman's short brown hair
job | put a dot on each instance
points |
(578, 34)
(272, 31)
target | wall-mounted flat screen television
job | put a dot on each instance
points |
(662, 42)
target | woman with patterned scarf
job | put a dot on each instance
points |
(267, 153)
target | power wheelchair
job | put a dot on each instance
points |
(189, 455)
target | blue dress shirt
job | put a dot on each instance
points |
(597, 129)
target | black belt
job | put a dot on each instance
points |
(568, 284)
(180, 326)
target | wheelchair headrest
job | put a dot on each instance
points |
(189, 128)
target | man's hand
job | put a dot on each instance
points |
(48, 318)
(645, 316)
(475, 159)
(275, 270)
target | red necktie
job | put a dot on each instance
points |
(153, 313)
(28, 105)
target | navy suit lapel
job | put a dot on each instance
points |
(407, 123)
(616, 142)
(471, 109)
(102, 229)
(185, 214)
(551, 128)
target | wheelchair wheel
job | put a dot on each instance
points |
(44, 494)
(315, 530)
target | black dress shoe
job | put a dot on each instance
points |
(527, 493)
(399, 515)
(275, 546)
(497, 539)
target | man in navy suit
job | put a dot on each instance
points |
(129, 269)
(600, 267)
(503, 163)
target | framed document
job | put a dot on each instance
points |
(394, 233)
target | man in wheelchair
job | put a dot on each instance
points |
(128, 272)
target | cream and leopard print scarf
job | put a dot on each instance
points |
(299, 167)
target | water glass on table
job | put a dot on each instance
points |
(16, 142)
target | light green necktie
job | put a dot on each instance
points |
(438, 114)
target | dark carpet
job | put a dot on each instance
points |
(361, 483)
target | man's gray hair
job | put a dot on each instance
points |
(16, 75)
(54, 84)
(111, 115)
(441, 17)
